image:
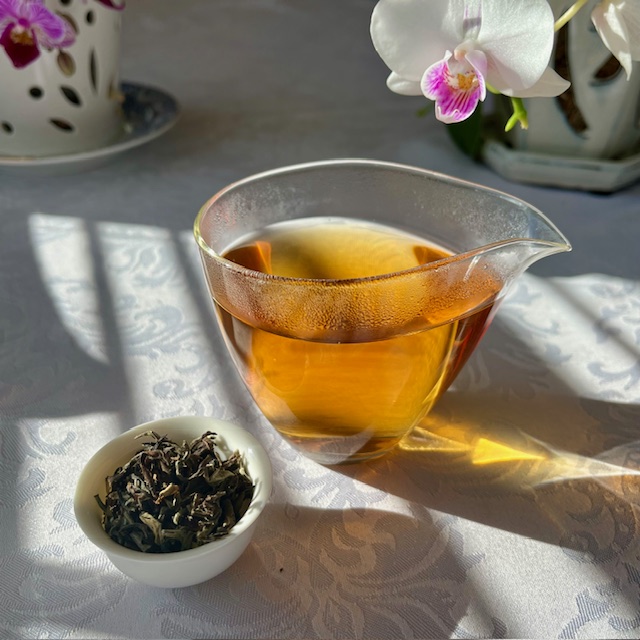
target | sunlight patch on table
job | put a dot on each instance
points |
(63, 253)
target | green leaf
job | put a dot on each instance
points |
(467, 134)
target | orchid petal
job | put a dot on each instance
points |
(402, 86)
(111, 4)
(48, 26)
(550, 85)
(518, 39)
(631, 12)
(9, 9)
(618, 25)
(410, 35)
(69, 36)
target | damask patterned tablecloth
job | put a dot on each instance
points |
(512, 511)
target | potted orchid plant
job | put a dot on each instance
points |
(59, 61)
(456, 52)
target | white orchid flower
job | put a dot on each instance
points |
(618, 24)
(452, 50)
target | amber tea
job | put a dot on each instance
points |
(347, 329)
(341, 393)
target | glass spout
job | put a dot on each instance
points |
(473, 221)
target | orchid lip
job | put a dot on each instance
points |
(456, 86)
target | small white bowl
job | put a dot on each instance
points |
(179, 568)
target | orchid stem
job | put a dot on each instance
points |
(519, 115)
(568, 14)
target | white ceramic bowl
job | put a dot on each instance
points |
(180, 568)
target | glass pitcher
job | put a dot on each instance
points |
(351, 292)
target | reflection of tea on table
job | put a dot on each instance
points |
(349, 394)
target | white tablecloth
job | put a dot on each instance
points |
(511, 513)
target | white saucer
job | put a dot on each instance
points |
(585, 174)
(148, 113)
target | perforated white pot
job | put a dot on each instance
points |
(65, 102)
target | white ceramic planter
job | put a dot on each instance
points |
(589, 137)
(66, 102)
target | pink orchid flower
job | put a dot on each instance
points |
(451, 51)
(27, 25)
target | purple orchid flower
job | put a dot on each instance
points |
(26, 26)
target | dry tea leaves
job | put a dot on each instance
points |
(173, 497)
